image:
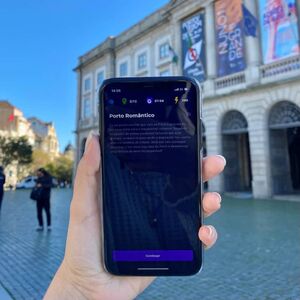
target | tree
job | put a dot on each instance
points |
(39, 159)
(61, 168)
(15, 150)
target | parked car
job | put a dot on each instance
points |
(30, 181)
(54, 182)
(27, 183)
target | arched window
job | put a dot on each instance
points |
(234, 122)
(284, 114)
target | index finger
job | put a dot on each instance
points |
(212, 166)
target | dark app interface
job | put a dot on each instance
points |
(152, 190)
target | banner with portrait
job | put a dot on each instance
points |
(193, 47)
(279, 29)
(229, 37)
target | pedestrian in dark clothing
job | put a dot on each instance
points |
(44, 183)
(2, 181)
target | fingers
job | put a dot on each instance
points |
(208, 235)
(85, 198)
(83, 246)
(211, 203)
(212, 166)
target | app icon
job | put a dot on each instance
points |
(124, 101)
(149, 100)
(176, 99)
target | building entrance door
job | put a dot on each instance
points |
(236, 149)
(284, 124)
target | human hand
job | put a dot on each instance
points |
(82, 274)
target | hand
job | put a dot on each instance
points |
(81, 274)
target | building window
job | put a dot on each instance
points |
(100, 78)
(123, 69)
(142, 61)
(165, 73)
(87, 108)
(87, 84)
(164, 51)
(82, 147)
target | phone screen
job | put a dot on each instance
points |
(151, 176)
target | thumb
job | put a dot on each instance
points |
(83, 247)
(87, 182)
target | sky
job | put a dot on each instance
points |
(40, 42)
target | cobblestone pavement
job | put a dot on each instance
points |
(29, 259)
(257, 255)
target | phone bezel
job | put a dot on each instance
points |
(149, 81)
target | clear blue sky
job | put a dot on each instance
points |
(40, 41)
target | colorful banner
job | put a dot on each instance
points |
(279, 29)
(229, 37)
(193, 47)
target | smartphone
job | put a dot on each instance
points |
(151, 147)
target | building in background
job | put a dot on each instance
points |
(45, 136)
(246, 54)
(13, 123)
(40, 135)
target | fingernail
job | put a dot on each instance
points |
(223, 158)
(219, 197)
(88, 140)
(208, 231)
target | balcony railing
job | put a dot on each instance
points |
(281, 67)
(90, 122)
(85, 123)
(230, 80)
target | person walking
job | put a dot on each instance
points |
(2, 181)
(44, 183)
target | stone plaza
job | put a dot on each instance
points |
(257, 255)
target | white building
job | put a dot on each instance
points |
(45, 136)
(246, 55)
(40, 135)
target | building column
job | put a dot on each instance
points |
(211, 66)
(212, 120)
(259, 151)
(252, 44)
(177, 69)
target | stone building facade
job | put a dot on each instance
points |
(45, 136)
(40, 135)
(13, 123)
(252, 116)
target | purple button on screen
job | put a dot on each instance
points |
(153, 255)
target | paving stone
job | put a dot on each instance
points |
(257, 255)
